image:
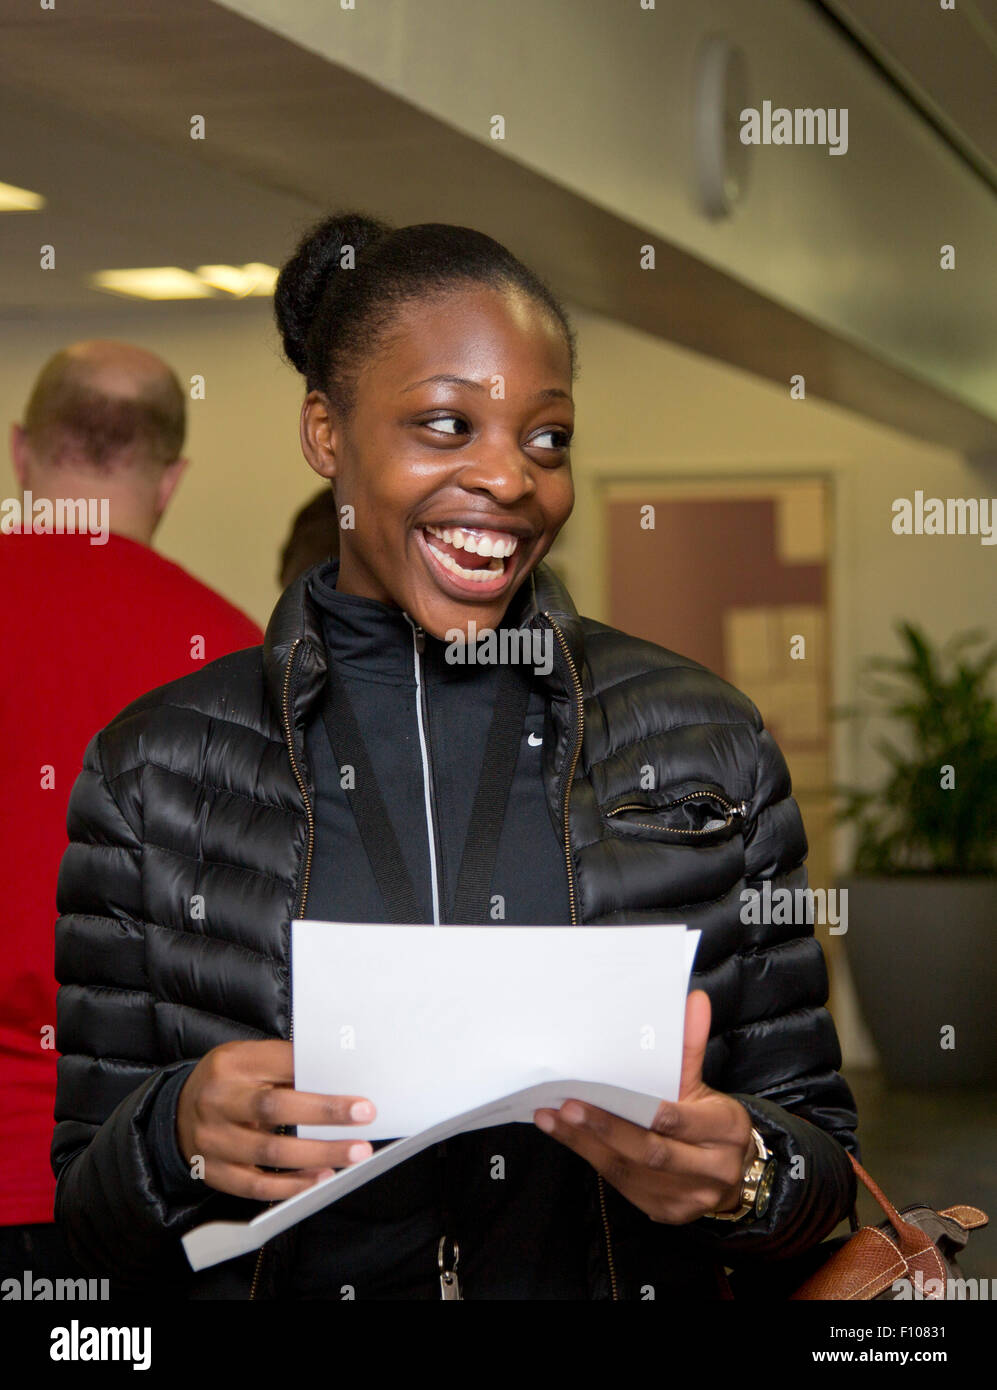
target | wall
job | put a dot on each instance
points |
(647, 409)
(644, 409)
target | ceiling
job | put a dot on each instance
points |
(95, 108)
(945, 63)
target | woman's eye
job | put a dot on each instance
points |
(455, 425)
(444, 420)
(562, 441)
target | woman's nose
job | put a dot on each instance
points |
(501, 472)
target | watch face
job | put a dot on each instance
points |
(765, 1190)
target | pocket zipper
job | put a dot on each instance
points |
(732, 808)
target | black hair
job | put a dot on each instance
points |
(332, 307)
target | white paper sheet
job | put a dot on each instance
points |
(428, 1022)
(604, 1005)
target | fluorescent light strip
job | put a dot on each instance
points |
(255, 278)
(14, 199)
(153, 282)
(171, 282)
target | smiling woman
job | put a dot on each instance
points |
(458, 480)
(353, 770)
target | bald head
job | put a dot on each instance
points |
(101, 404)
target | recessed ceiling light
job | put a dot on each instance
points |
(255, 278)
(154, 282)
(171, 282)
(13, 199)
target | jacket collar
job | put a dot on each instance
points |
(294, 658)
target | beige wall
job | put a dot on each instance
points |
(647, 409)
(644, 409)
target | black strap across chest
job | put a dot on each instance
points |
(472, 903)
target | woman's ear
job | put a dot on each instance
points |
(320, 435)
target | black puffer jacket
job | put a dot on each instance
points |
(201, 788)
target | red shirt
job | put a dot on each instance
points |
(84, 630)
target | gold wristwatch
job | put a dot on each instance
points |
(756, 1190)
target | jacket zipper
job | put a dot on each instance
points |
(733, 809)
(580, 702)
(429, 790)
(306, 874)
(449, 1282)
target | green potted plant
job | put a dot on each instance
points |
(922, 897)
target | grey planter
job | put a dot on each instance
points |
(923, 957)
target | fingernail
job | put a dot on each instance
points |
(361, 1110)
(358, 1151)
(544, 1122)
(574, 1114)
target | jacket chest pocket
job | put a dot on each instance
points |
(703, 816)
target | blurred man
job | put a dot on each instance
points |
(91, 618)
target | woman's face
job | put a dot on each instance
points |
(456, 459)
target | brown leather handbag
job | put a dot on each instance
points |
(918, 1245)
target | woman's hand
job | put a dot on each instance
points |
(236, 1097)
(692, 1159)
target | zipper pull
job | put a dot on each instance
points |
(449, 1283)
(419, 633)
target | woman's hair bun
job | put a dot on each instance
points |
(304, 277)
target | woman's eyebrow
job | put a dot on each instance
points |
(547, 393)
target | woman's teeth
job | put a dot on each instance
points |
(497, 547)
(484, 543)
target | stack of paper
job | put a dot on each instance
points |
(452, 1029)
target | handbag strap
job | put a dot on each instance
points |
(912, 1238)
(473, 896)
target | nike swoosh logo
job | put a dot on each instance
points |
(534, 740)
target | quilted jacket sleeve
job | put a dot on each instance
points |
(781, 1056)
(109, 1200)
